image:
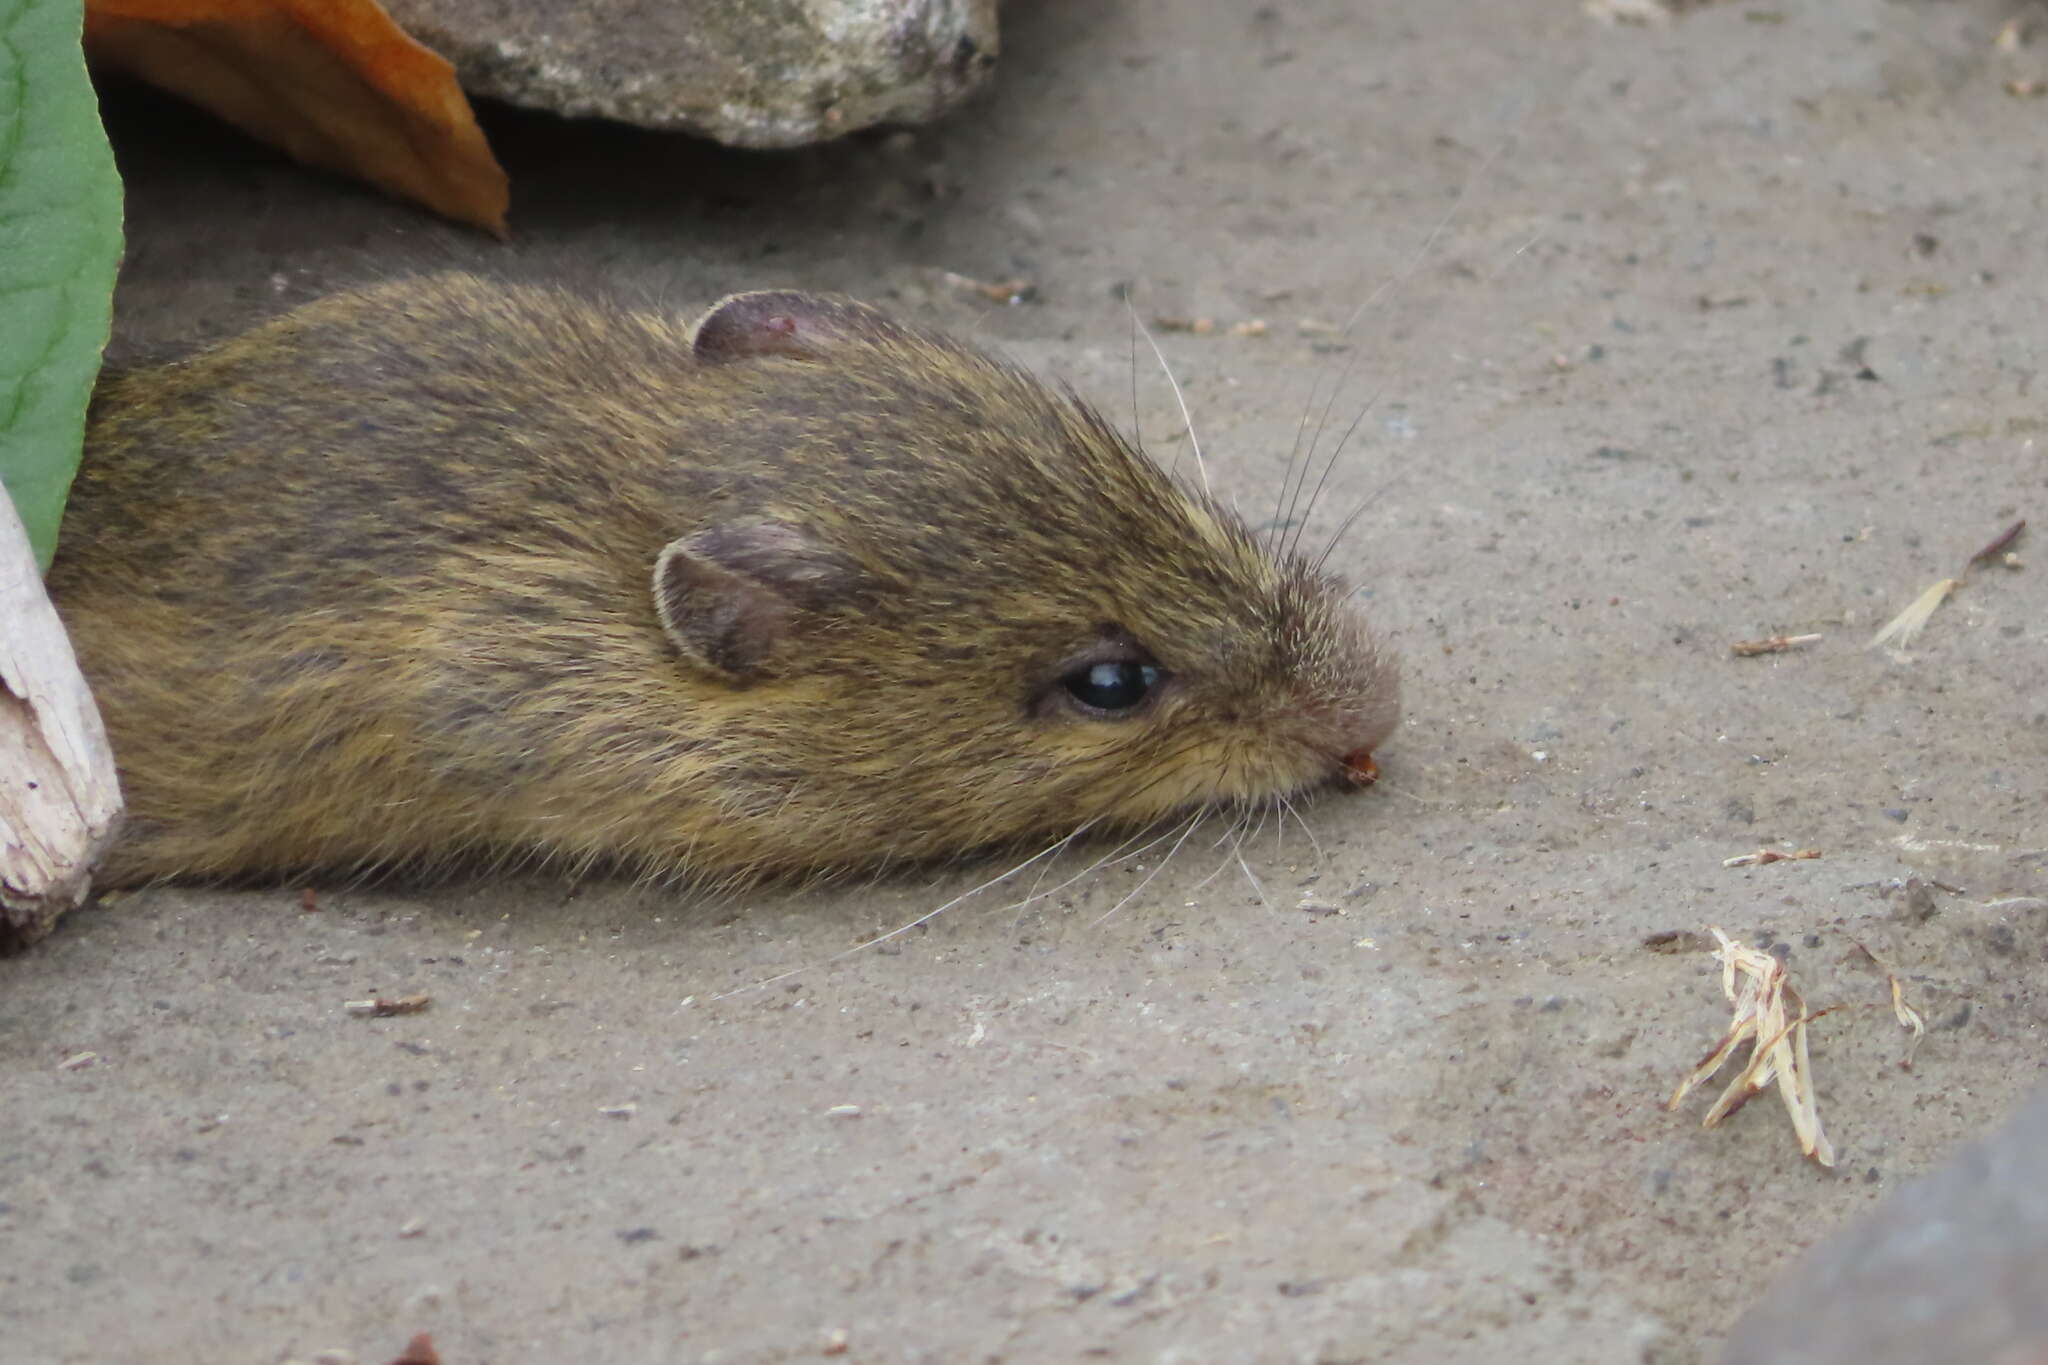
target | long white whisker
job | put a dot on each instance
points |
(926, 918)
(1186, 418)
(1265, 813)
(1192, 822)
(1233, 833)
(1109, 859)
(1440, 802)
(1244, 816)
(1257, 890)
(1313, 842)
(1221, 863)
(1137, 430)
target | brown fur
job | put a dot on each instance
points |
(370, 587)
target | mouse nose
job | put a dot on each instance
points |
(1357, 769)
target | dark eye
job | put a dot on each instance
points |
(1111, 687)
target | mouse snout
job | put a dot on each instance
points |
(1346, 743)
(1357, 769)
(1346, 732)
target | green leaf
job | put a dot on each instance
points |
(60, 243)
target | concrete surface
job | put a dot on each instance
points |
(1735, 331)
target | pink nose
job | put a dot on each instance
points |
(1359, 769)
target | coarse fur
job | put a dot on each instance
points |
(449, 569)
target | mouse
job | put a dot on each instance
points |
(453, 571)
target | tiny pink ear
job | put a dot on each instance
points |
(784, 322)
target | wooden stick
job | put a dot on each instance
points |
(59, 801)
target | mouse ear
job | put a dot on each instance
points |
(785, 322)
(729, 596)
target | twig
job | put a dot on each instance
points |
(1769, 855)
(1773, 644)
(2000, 545)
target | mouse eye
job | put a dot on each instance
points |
(1113, 687)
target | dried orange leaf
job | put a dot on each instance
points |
(335, 83)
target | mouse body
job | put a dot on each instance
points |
(450, 570)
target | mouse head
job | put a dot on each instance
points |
(959, 608)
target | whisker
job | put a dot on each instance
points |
(1036, 883)
(1221, 863)
(1109, 859)
(1406, 795)
(1399, 278)
(1187, 419)
(1137, 431)
(1189, 828)
(1257, 889)
(926, 918)
(1306, 829)
(1349, 521)
(1265, 812)
(1330, 465)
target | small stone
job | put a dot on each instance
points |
(738, 71)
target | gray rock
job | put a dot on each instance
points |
(1952, 1267)
(749, 73)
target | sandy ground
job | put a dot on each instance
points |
(1734, 331)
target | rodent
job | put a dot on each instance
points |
(452, 570)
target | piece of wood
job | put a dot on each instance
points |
(60, 803)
